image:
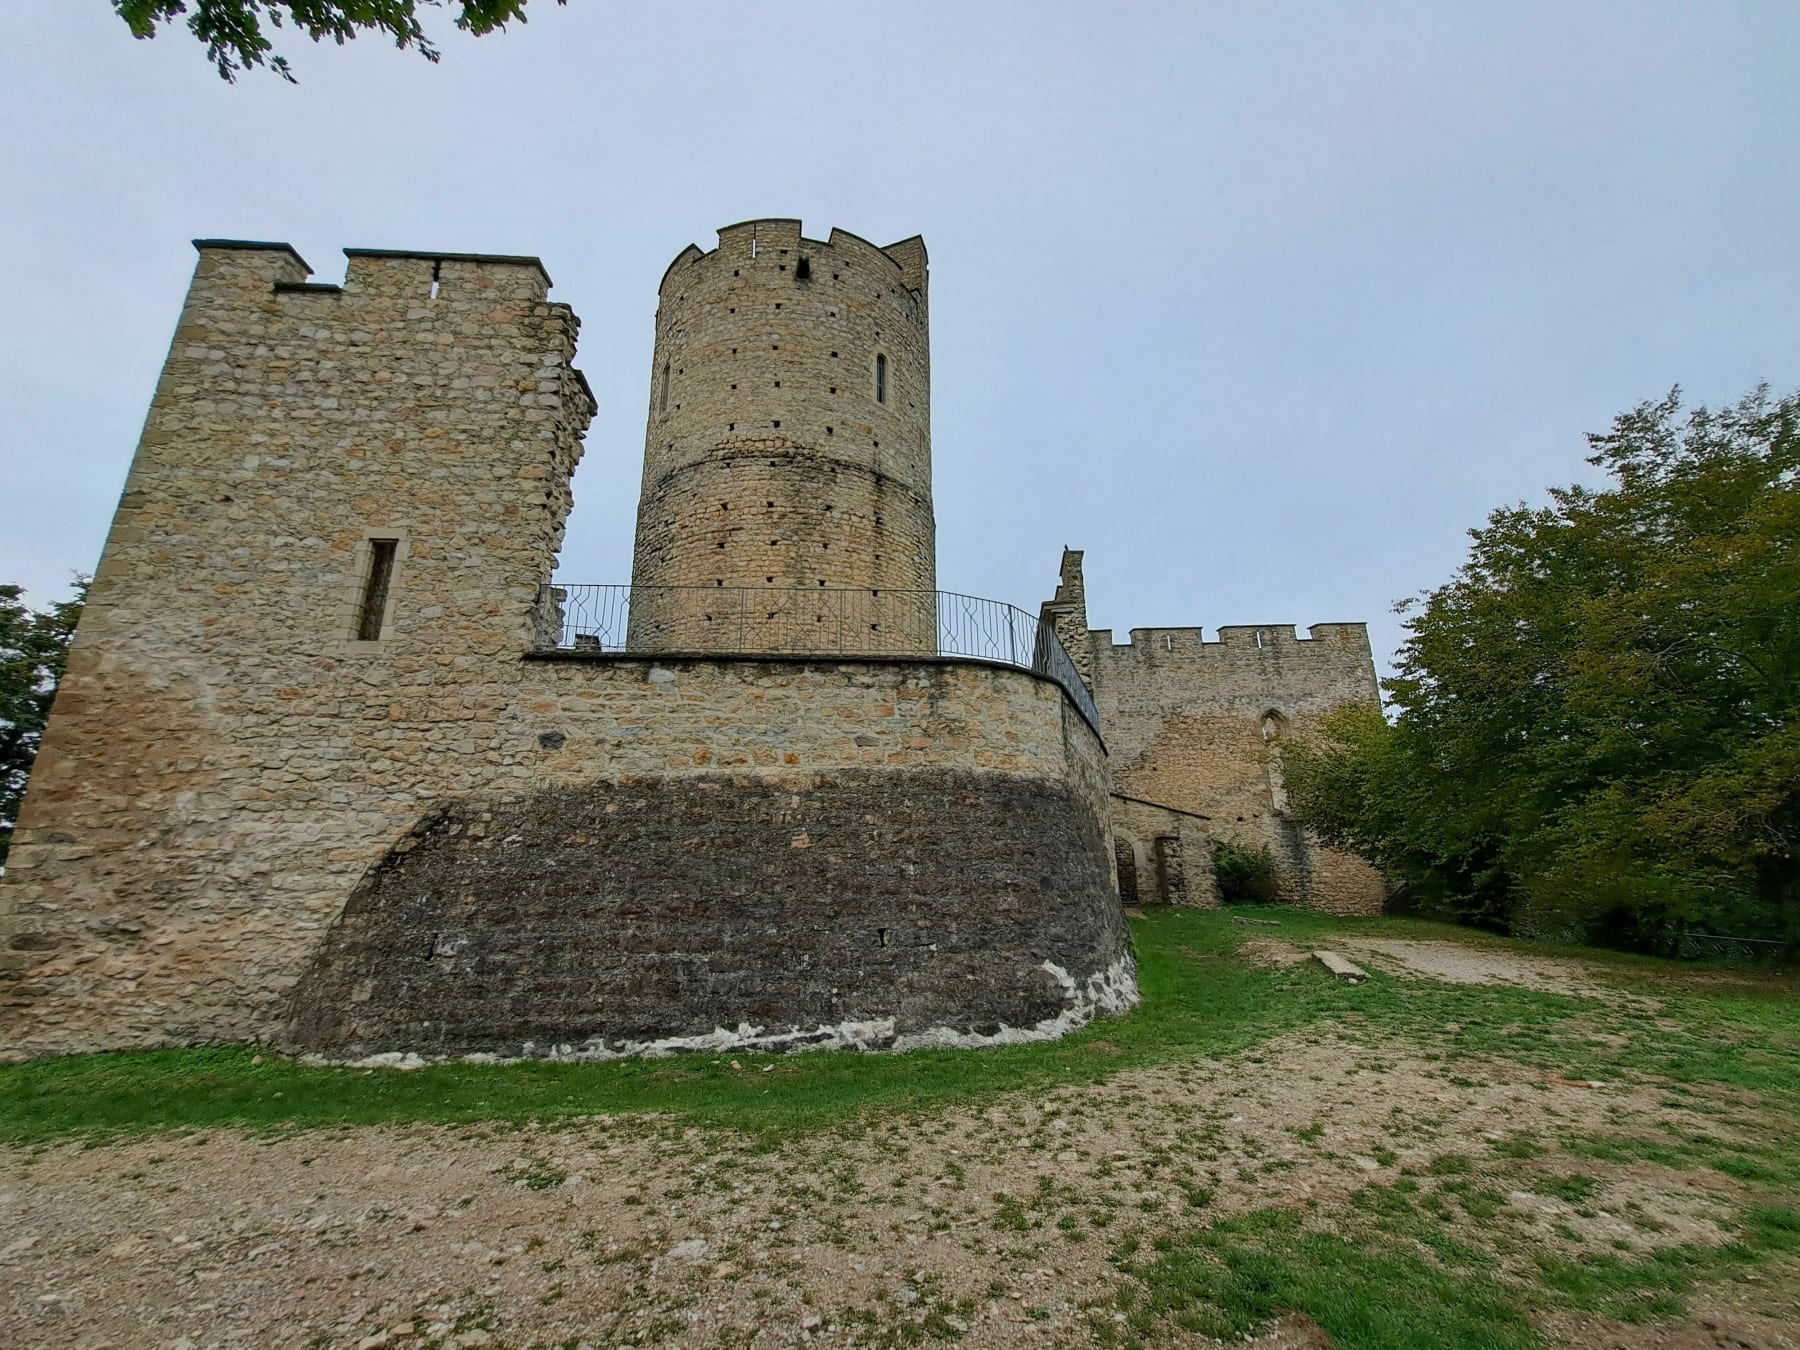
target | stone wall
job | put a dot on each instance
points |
(1162, 856)
(1198, 726)
(776, 453)
(1066, 613)
(874, 854)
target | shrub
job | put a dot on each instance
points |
(1244, 874)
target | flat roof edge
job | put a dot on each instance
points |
(255, 246)
(508, 259)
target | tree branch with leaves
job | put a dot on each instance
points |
(34, 645)
(238, 34)
(1597, 721)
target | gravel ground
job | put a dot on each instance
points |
(989, 1225)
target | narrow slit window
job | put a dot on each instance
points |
(880, 378)
(665, 387)
(375, 589)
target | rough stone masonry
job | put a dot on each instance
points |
(1196, 731)
(315, 777)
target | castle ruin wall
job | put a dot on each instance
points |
(307, 781)
(1198, 726)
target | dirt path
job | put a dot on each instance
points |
(994, 1225)
(1468, 963)
(1457, 963)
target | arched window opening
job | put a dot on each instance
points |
(880, 378)
(1274, 726)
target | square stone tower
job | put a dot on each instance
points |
(303, 629)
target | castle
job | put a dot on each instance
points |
(336, 767)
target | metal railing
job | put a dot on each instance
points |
(751, 621)
(1726, 947)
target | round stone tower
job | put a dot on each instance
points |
(788, 449)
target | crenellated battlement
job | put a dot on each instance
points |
(475, 259)
(248, 296)
(781, 238)
(393, 273)
(1267, 665)
(1160, 643)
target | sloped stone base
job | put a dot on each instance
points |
(877, 909)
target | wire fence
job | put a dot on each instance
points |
(751, 621)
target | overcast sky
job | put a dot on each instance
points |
(1262, 305)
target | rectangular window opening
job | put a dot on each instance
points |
(880, 378)
(375, 589)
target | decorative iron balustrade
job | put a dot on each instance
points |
(751, 621)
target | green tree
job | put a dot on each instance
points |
(34, 644)
(1594, 720)
(237, 32)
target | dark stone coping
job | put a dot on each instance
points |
(762, 220)
(512, 259)
(586, 388)
(810, 659)
(1160, 806)
(254, 246)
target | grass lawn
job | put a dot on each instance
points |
(1427, 1255)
